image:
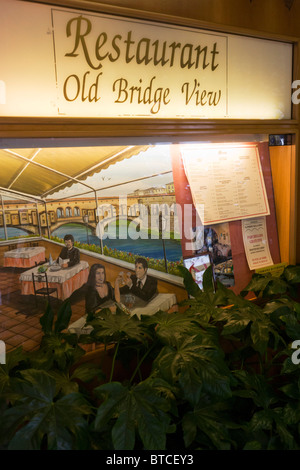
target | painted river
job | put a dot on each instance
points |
(144, 247)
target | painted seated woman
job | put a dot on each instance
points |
(99, 290)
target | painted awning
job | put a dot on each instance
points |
(41, 172)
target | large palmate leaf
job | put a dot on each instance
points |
(206, 425)
(39, 414)
(7, 376)
(55, 351)
(170, 328)
(256, 387)
(266, 285)
(203, 303)
(260, 331)
(140, 409)
(47, 319)
(62, 320)
(63, 317)
(292, 274)
(281, 306)
(292, 325)
(205, 308)
(67, 382)
(195, 367)
(274, 422)
(192, 288)
(208, 281)
(292, 390)
(117, 327)
(233, 299)
(237, 319)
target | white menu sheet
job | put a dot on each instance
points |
(226, 181)
(256, 243)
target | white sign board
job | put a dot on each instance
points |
(226, 181)
(65, 62)
(256, 243)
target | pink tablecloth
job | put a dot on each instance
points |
(24, 257)
(23, 262)
(64, 288)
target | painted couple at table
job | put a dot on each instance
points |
(99, 290)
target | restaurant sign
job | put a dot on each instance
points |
(65, 62)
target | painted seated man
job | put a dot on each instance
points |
(69, 252)
(139, 284)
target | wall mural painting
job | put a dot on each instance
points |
(125, 222)
(131, 216)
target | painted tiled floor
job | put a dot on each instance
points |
(20, 315)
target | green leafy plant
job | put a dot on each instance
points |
(41, 417)
(139, 410)
(42, 269)
(216, 375)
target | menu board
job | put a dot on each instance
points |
(237, 273)
(226, 181)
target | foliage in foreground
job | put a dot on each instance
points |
(217, 376)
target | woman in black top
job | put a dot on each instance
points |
(98, 289)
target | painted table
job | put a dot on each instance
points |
(66, 280)
(25, 257)
(161, 302)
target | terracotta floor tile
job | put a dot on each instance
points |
(11, 316)
(31, 332)
(16, 326)
(10, 312)
(33, 321)
(16, 340)
(5, 308)
(20, 328)
(21, 317)
(6, 334)
(30, 345)
(38, 336)
(9, 323)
